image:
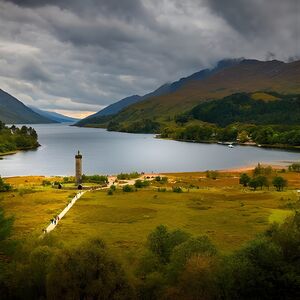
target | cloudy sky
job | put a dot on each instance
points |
(77, 56)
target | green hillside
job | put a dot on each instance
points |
(246, 76)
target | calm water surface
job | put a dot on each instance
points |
(112, 152)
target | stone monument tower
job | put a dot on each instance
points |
(78, 168)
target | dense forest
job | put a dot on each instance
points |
(243, 108)
(268, 135)
(14, 138)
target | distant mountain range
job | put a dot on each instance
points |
(13, 111)
(162, 90)
(227, 78)
(56, 117)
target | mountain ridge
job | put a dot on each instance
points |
(60, 118)
(164, 89)
(14, 111)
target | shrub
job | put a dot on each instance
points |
(128, 188)
(141, 183)
(161, 179)
(46, 182)
(110, 192)
(212, 174)
(4, 187)
(177, 189)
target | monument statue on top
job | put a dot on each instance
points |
(78, 168)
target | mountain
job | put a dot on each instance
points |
(56, 117)
(13, 111)
(162, 90)
(244, 75)
(116, 107)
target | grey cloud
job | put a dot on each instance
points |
(32, 70)
(256, 15)
(92, 53)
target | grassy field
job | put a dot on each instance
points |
(32, 205)
(229, 214)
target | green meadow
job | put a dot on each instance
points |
(230, 215)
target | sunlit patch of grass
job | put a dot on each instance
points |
(33, 209)
(279, 215)
(263, 96)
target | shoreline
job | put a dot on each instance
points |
(240, 169)
(17, 151)
(248, 144)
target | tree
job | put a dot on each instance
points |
(262, 181)
(87, 272)
(244, 179)
(161, 242)
(194, 246)
(254, 183)
(197, 281)
(280, 183)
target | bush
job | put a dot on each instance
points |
(128, 188)
(141, 183)
(46, 182)
(212, 174)
(4, 187)
(162, 190)
(161, 180)
(113, 187)
(177, 189)
(110, 192)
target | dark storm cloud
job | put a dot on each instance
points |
(258, 16)
(76, 54)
